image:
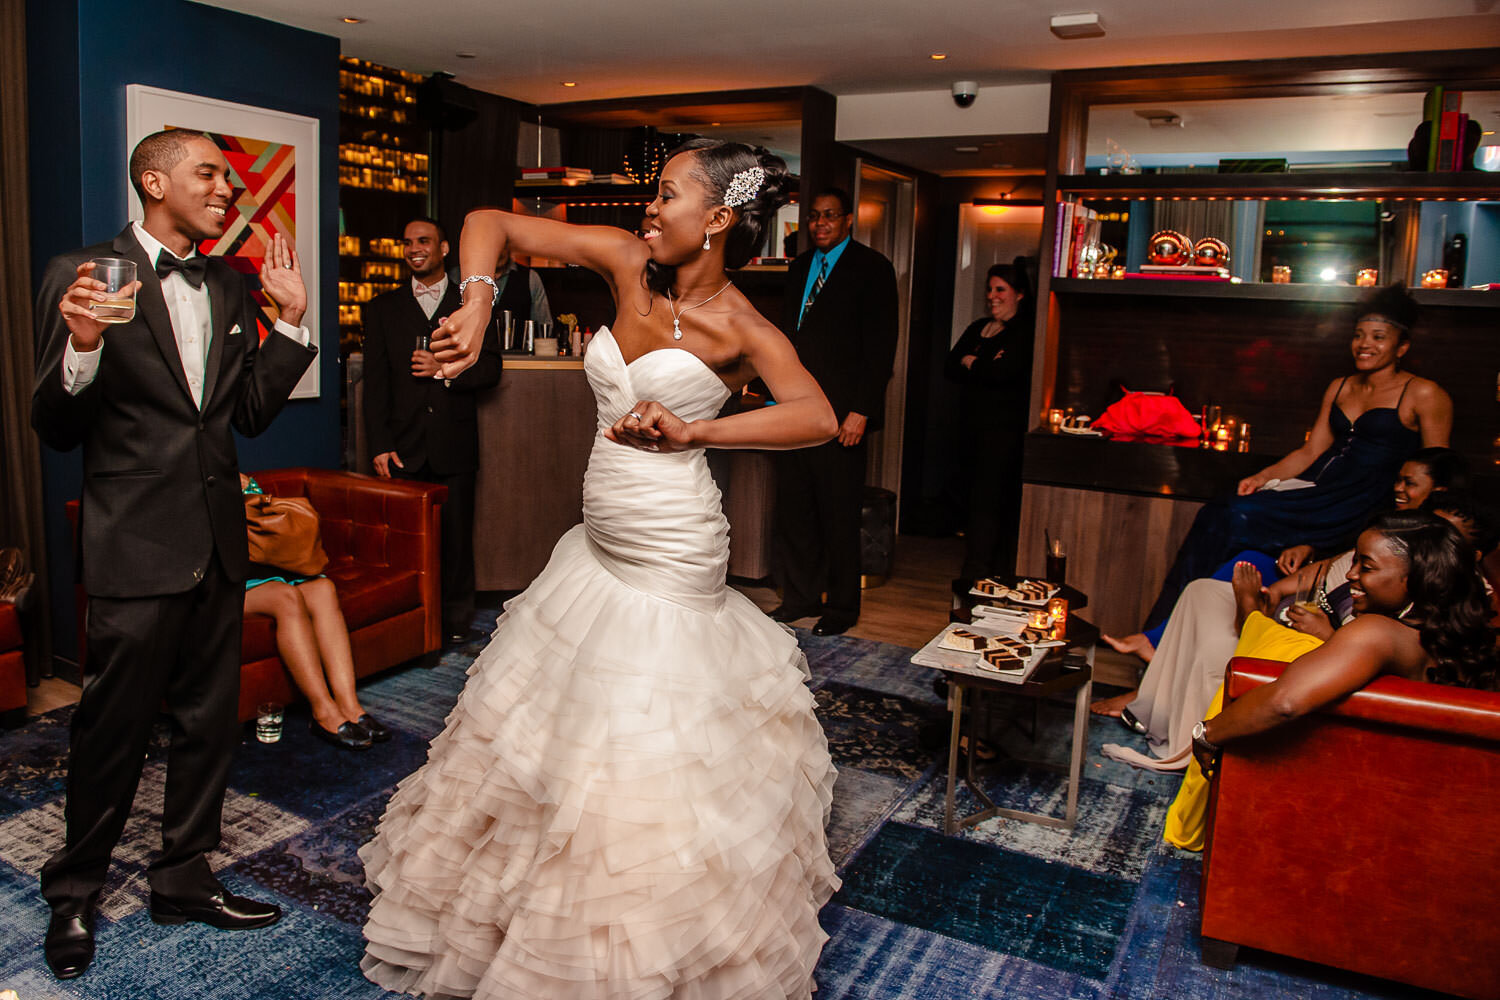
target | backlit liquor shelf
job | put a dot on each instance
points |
(1299, 186)
(379, 179)
(362, 155)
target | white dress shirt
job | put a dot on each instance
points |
(189, 311)
(429, 297)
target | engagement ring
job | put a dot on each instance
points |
(634, 415)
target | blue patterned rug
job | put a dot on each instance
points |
(1003, 909)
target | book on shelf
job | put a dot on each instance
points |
(612, 179)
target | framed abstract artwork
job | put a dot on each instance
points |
(268, 152)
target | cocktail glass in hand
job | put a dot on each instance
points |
(1309, 587)
(117, 275)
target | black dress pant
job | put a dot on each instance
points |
(815, 535)
(181, 649)
(457, 522)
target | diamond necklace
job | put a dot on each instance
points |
(676, 321)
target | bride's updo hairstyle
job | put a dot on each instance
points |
(715, 164)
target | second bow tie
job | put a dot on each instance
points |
(193, 269)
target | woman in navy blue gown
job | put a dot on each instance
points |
(1369, 422)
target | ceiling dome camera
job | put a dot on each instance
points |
(964, 92)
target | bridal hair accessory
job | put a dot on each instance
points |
(676, 321)
(494, 288)
(744, 187)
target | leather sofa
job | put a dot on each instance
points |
(12, 667)
(382, 539)
(1365, 836)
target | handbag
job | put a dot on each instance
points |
(283, 532)
(1147, 414)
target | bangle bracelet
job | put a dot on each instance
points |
(494, 288)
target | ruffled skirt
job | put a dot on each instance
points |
(627, 803)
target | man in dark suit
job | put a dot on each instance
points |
(840, 312)
(420, 425)
(152, 401)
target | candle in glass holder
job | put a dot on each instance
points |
(1040, 619)
(1057, 612)
(1281, 274)
(1436, 278)
(1117, 272)
(1055, 420)
(1367, 277)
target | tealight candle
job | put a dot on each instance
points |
(1436, 278)
(1367, 277)
(1281, 274)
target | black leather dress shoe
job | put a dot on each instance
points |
(69, 944)
(348, 736)
(829, 625)
(223, 910)
(378, 733)
(786, 613)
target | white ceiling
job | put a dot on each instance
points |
(525, 49)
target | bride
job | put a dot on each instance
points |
(629, 798)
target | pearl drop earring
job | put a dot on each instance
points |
(705, 241)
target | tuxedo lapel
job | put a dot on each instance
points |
(151, 306)
(221, 309)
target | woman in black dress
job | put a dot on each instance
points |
(992, 365)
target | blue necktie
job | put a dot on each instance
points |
(816, 288)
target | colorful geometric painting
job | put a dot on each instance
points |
(264, 178)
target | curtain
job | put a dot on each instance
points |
(20, 451)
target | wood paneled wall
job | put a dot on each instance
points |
(1265, 361)
(1119, 546)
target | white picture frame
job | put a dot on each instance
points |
(150, 109)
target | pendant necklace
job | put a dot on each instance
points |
(676, 320)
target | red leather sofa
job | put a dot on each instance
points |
(1365, 836)
(382, 540)
(12, 667)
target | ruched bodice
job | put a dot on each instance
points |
(628, 800)
(676, 547)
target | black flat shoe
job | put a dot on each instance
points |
(829, 625)
(787, 613)
(378, 733)
(348, 736)
(223, 910)
(69, 944)
(1130, 722)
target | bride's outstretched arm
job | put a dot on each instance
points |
(612, 252)
(801, 416)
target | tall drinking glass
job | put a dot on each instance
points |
(1057, 562)
(117, 275)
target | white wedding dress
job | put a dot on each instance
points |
(628, 800)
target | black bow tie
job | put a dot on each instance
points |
(193, 269)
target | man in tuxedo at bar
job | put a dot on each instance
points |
(420, 425)
(839, 311)
(152, 402)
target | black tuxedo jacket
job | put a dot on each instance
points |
(848, 338)
(161, 489)
(421, 419)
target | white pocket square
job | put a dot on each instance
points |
(234, 330)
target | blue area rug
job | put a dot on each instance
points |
(1003, 909)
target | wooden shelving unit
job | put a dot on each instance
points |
(384, 180)
(1297, 186)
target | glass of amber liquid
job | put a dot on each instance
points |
(117, 276)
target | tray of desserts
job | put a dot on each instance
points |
(988, 648)
(1031, 592)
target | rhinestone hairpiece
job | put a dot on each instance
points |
(744, 187)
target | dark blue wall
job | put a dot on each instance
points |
(81, 54)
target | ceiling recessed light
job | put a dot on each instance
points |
(1077, 25)
(352, 20)
(966, 149)
(466, 55)
(938, 55)
(570, 83)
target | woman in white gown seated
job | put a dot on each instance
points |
(629, 798)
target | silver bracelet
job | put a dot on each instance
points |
(487, 280)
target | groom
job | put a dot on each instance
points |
(152, 402)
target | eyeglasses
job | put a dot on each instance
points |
(814, 215)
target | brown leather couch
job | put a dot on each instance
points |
(12, 667)
(382, 540)
(1365, 836)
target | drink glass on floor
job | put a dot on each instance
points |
(268, 718)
